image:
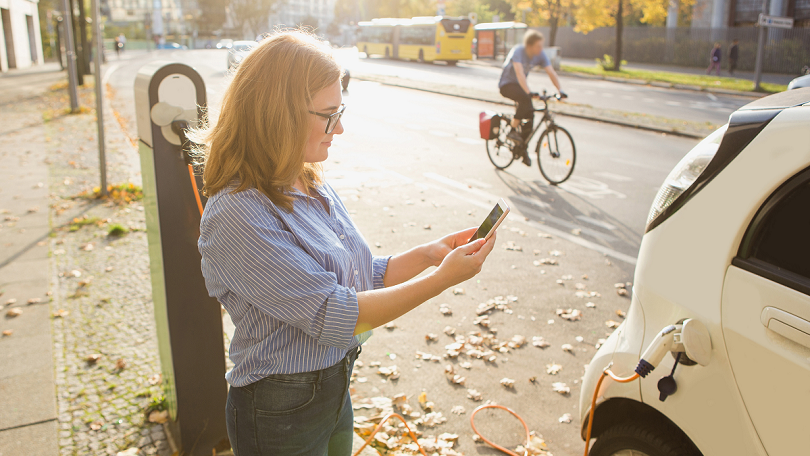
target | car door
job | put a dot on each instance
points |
(766, 318)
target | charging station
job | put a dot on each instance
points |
(168, 97)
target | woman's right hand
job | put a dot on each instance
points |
(465, 262)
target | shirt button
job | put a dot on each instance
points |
(342, 237)
(356, 272)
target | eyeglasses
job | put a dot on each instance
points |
(332, 119)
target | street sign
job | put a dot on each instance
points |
(440, 8)
(775, 21)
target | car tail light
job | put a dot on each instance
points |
(438, 48)
(685, 174)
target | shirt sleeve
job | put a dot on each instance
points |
(379, 264)
(245, 250)
(542, 59)
(518, 55)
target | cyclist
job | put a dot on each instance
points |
(513, 85)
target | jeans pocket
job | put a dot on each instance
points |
(273, 398)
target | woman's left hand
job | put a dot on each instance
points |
(439, 248)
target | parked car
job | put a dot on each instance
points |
(727, 244)
(798, 83)
(224, 44)
(238, 51)
(171, 45)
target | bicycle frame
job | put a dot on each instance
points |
(548, 117)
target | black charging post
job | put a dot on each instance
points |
(188, 321)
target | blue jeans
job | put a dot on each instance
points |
(309, 413)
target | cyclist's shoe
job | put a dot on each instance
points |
(526, 159)
(516, 137)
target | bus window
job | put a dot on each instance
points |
(418, 34)
(376, 34)
(455, 25)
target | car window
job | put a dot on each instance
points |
(241, 47)
(782, 238)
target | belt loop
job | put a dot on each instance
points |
(318, 380)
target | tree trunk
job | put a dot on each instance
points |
(554, 22)
(83, 31)
(617, 59)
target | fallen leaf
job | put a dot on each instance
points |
(129, 452)
(10, 302)
(96, 425)
(458, 291)
(445, 310)
(14, 312)
(422, 399)
(474, 395)
(87, 247)
(508, 383)
(92, 359)
(560, 387)
(155, 379)
(539, 342)
(120, 364)
(510, 245)
(61, 313)
(612, 324)
(621, 313)
(458, 410)
(576, 231)
(567, 347)
(431, 337)
(555, 253)
(566, 418)
(622, 292)
(570, 314)
(159, 417)
(76, 273)
(391, 372)
(553, 369)
(8, 332)
(450, 331)
(34, 301)
(390, 325)
(590, 305)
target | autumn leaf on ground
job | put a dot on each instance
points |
(93, 358)
(159, 417)
(14, 312)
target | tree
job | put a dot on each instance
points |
(484, 9)
(253, 14)
(592, 14)
(544, 12)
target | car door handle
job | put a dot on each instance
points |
(787, 325)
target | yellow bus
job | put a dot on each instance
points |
(423, 39)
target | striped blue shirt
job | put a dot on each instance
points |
(289, 280)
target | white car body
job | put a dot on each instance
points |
(238, 51)
(754, 395)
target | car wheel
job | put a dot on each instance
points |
(633, 439)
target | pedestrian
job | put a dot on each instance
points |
(118, 47)
(733, 55)
(714, 59)
(513, 85)
(123, 40)
(281, 253)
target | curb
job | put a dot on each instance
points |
(576, 116)
(659, 84)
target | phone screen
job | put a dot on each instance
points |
(489, 222)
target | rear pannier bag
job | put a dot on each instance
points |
(489, 125)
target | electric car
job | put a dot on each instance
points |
(727, 245)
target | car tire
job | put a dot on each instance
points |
(639, 439)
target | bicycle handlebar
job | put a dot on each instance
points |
(545, 97)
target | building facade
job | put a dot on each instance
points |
(294, 12)
(20, 39)
(736, 13)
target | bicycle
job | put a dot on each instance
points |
(556, 152)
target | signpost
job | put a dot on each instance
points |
(772, 22)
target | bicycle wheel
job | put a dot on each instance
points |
(556, 154)
(499, 149)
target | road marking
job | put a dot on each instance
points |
(109, 71)
(590, 188)
(595, 222)
(462, 186)
(538, 226)
(443, 134)
(649, 100)
(607, 94)
(640, 165)
(614, 177)
(476, 142)
(711, 97)
(672, 103)
(477, 183)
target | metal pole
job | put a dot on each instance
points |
(102, 156)
(760, 49)
(71, 56)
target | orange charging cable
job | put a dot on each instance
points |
(491, 443)
(194, 186)
(614, 377)
(379, 426)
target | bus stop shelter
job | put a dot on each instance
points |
(495, 39)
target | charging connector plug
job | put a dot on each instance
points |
(668, 340)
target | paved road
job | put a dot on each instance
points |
(410, 167)
(676, 104)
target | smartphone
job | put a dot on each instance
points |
(492, 221)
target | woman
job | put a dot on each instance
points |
(281, 253)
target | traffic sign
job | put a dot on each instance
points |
(775, 21)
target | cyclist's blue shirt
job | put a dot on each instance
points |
(518, 54)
